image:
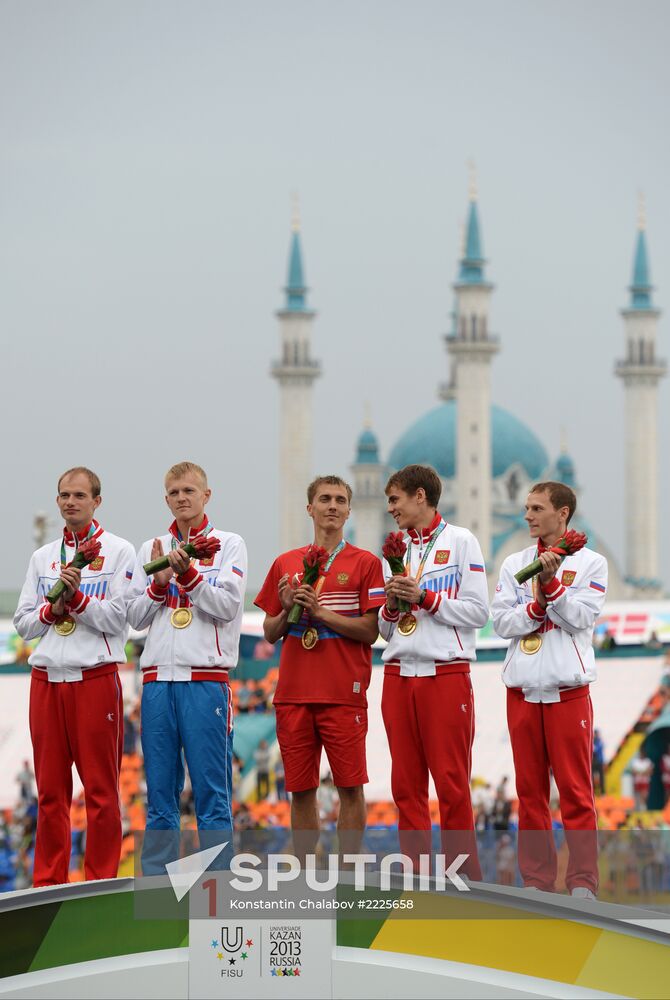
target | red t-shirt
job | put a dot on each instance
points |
(337, 670)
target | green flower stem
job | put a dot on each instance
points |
(58, 588)
(162, 563)
(536, 567)
(398, 569)
(310, 576)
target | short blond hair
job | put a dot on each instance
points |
(94, 480)
(182, 469)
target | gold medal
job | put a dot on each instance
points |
(407, 624)
(309, 638)
(181, 617)
(530, 644)
(66, 625)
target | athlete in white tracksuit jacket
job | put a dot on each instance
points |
(548, 668)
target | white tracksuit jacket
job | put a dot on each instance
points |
(455, 606)
(574, 601)
(99, 609)
(209, 647)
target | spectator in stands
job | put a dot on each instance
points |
(505, 861)
(280, 781)
(502, 788)
(609, 642)
(665, 773)
(598, 763)
(263, 650)
(131, 729)
(238, 765)
(325, 665)
(482, 799)
(665, 677)
(262, 755)
(653, 642)
(244, 696)
(328, 799)
(642, 769)
(26, 780)
(500, 811)
(259, 701)
(243, 818)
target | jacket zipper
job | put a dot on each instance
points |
(106, 643)
(578, 656)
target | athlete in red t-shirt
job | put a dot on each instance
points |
(325, 663)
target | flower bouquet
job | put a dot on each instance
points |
(202, 547)
(571, 542)
(313, 561)
(85, 554)
(393, 550)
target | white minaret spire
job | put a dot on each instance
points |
(369, 503)
(295, 372)
(471, 347)
(640, 372)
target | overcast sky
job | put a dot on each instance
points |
(148, 151)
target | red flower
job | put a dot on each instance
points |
(573, 541)
(313, 561)
(315, 557)
(393, 550)
(394, 545)
(205, 546)
(87, 552)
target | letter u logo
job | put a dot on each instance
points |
(225, 939)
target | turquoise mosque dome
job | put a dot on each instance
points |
(431, 440)
(367, 449)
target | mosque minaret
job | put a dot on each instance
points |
(640, 372)
(471, 348)
(295, 371)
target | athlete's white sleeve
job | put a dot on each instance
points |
(577, 608)
(512, 618)
(143, 599)
(27, 620)
(225, 597)
(109, 615)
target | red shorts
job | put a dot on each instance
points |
(303, 730)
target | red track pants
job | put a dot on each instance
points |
(80, 722)
(430, 724)
(557, 736)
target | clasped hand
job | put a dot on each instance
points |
(71, 577)
(178, 558)
(550, 562)
(401, 588)
(302, 594)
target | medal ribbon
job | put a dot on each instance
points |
(326, 566)
(91, 531)
(436, 534)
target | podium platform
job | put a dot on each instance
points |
(83, 940)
